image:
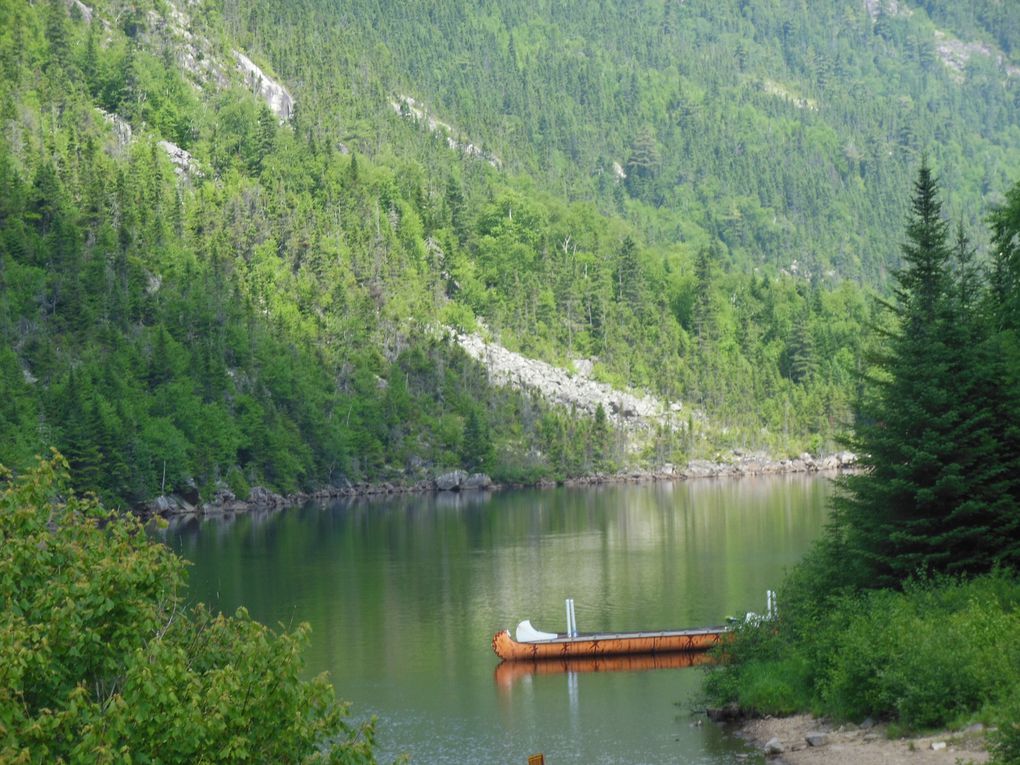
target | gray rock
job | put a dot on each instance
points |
(773, 747)
(938, 746)
(223, 495)
(975, 728)
(867, 723)
(262, 497)
(559, 387)
(277, 98)
(476, 481)
(726, 713)
(121, 127)
(816, 738)
(451, 481)
(162, 505)
(184, 164)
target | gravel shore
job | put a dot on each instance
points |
(859, 745)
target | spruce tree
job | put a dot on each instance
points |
(1004, 357)
(921, 431)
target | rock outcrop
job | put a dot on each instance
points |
(277, 98)
(184, 164)
(459, 480)
(740, 464)
(121, 128)
(450, 481)
(558, 386)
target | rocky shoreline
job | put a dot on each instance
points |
(224, 501)
(806, 740)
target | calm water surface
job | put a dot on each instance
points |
(404, 595)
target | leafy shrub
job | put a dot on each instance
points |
(935, 653)
(1005, 742)
(238, 483)
(100, 659)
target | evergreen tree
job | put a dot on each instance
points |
(704, 317)
(628, 275)
(803, 363)
(1005, 278)
(56, 32)
(643, 163)
(600, 441)
(921, 433)
(1004, 357)
(476, 453)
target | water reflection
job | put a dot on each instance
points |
(509, 673)
(404, 594)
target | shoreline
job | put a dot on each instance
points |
(459, 481)
(806, 740)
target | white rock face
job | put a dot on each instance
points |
(184, 163)
(84, 10)
(121, 128)
(277, 97)
(956, 54)
(557, 386)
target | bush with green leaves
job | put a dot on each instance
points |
(1005, 746)
(102, 661)
(937, 653)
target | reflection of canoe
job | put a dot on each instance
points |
(509, 672)
(595, 645)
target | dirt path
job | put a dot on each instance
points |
(854, 745)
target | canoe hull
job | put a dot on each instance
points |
(615, 644)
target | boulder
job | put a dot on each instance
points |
(816, 738)
(773, 747)
(727, 713)
(183, 505)
(476, 481)
(451, 481)
(263, 497)
(162, 505)
(223, 495)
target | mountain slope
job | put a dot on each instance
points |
(226, 256)
(786, 130)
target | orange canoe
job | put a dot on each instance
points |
(608, 644)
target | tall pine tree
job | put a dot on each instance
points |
(923, 432)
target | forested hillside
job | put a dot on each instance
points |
(263, 299)
(783, 129)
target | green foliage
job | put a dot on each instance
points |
(936, 653)
(935, 496)
(250, 320)
(101, 658)
(1005, 745)
(784, 134)
(939, 496)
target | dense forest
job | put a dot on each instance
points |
(273, 308)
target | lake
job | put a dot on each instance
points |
(404, 595)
